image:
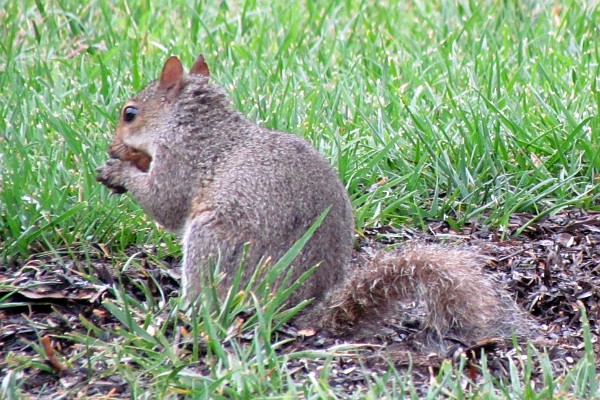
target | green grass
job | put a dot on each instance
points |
(465, 110)
(468, 111)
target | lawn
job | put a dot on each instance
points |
(458, 112)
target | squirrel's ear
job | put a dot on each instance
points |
(171, 74)
(200, 67)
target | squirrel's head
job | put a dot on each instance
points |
(145, 115)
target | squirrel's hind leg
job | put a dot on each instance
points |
(207, 243)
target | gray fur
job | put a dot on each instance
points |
(220, 181)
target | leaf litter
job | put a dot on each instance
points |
(551, 266)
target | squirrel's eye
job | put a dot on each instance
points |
(129, 113)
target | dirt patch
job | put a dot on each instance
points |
(551, 267)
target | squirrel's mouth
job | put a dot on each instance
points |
(139, 158)
(118, 149)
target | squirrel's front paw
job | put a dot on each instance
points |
(111, 176)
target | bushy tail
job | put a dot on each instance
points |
(461, 302)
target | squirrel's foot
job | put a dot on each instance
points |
(111, 175)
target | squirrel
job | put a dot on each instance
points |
(220, 181)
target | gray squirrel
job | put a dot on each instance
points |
(220, 181)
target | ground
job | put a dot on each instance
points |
(551, 266)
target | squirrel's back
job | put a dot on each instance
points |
(272, 187)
